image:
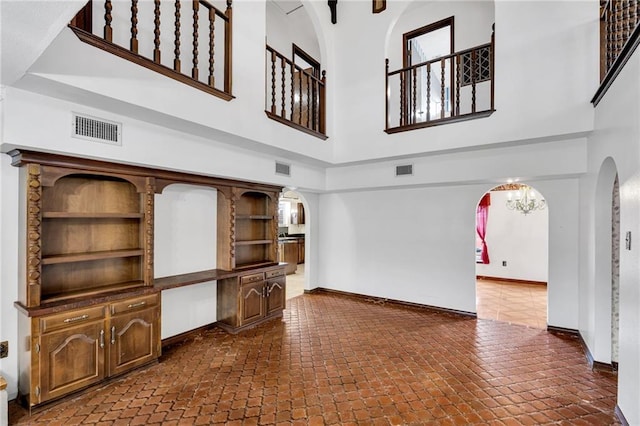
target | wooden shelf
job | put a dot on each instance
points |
(254, 217)
(102, 290)
(253, 265)
(253, 242)
(97, 215)
(85, 257)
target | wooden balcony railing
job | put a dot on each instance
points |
(140, 33)
(619, 37)
(448, 89)
(295, 96)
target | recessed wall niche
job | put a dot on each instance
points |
(185, 229)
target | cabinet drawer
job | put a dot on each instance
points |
(252, 278)
(69, 318)
(134, 304)
(275, 273)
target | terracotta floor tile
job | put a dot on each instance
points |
(336, 360)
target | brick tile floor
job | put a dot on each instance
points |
(340, 360)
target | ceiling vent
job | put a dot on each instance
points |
(283, 169)
(405, 170)
(96, 129)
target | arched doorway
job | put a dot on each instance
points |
(512, 234)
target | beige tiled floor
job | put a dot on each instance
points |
(295, 282)
(524, 304)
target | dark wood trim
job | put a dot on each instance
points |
(509, 280)
(297, 51)
(384, 301)
(618, 65)
(438, 122)
(296, 126)
(100, 43)
(83, 18)
(380, 8)
(424, 30)
(618, 412)
(182, 337)
(163, 177)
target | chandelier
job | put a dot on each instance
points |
(525, 200)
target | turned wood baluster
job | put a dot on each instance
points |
(386, 91)
(194, 69)
(308, 99)
(108, 31)
(402, 98)
(273, 82)
(156, 32)
(442, 67)
(284, 96)
(473, 80)
(227, 48)
(314, 93)
(292, 70)
(176, 50)
(429, 91)
(300, 97)
(457, 110)
(609, 34)
(212, 27)
(413, 96)
(323, 104)
(134, 26)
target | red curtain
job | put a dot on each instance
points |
(482, 214)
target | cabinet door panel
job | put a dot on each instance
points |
(276, 295)
(71, 359)
(251, 303)
(133, 340)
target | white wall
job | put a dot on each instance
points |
(520, 240)
(185, 241)
(296, 27)
(418, 245)
(616, 137)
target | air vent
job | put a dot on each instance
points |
(406, 170)
(283, 169)
(96, 129)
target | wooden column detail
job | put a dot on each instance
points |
(34, 234)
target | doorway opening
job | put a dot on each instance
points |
(512, 234)
(292, 236)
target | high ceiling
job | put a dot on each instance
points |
(287, 6)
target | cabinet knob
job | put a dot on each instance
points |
(135, 305)
(113, 335)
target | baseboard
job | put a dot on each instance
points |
(509, 280)
(602, 367)
(384, 301)
(179, 338)
(620, 416)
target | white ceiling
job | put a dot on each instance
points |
(287, 6)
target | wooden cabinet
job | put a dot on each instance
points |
(300, 250)
(249, 299)
(81, 347)
(88, 300)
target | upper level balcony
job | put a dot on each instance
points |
(446, 89)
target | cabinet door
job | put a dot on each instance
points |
(251, 302)
(133, 340)
(275, 295)
(70, 359)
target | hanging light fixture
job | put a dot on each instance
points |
(525, 200)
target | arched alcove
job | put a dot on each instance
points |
(607, 262)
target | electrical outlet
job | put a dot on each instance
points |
(504, 263)
(4, 349)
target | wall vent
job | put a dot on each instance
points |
(96, 129)
(405, 170)
(283, 169)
